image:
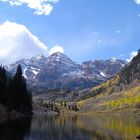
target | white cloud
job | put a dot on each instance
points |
(132, 54)
(118, 31)
(56, 48)
(17, 42)
(41, 7)
(137, 1)
(55, 1)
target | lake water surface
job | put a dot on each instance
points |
(99, 127)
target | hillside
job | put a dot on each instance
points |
(122, 92)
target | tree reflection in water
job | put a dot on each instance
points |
(81, 127)
(14, 129)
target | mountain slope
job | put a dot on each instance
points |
(59, 71)
(58, 65)
(120, 92)
(30, 67)
(104, 68)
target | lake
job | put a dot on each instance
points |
(80, 127)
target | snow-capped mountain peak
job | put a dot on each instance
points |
(59, 71)
(39, 56)
(58, 56)
(113, 59)
(30, 67)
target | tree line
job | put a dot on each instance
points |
(14, 93)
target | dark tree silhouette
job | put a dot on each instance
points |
(2, 85)
(21, 98)
(14, 93)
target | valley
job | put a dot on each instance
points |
(120, 93)
(94, 86)
(69, 69)
(58, 77)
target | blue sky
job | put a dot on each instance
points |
(84, 29)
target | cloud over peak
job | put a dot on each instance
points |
(56, 48)
(18, 42)
(41, 7)
(132, 55)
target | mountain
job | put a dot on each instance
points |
(103, 69)
(59, 72)
(57, 66)
(122, 92)
(30, 67)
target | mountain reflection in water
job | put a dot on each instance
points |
(99, 127)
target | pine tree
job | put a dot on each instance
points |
(3, 85)
(10, 94)
(19, 99)
(14, 93)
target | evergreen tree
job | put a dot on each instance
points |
(10, 94)
(21, 99)
(2, 85)
(14, 93)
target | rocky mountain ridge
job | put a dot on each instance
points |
(59, 71)
(118, 93)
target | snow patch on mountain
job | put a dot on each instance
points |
(24, 73)
(113, 60)
(58, 71)
(39, 56)
(30, 67)
(101, 73)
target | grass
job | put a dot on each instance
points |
(125, 100)
(128, 99)
(106, 87)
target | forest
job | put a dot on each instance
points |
(14, 93)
